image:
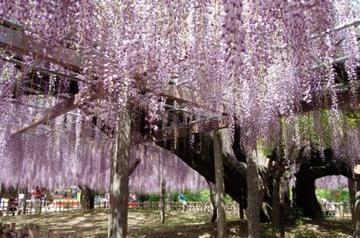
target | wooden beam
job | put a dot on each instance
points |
(53, 112)
(14, 39)
(319, 102)
(63, 107)
(201, 126)
(17, 41)
(347, 100)
(181, 95)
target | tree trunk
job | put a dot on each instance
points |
(285, 203)
(356, 212)
(133, 166)
(275, 214)
(162, 200)
(1, 195)
(351, 186)
(169, 201)
(306, 198)
(220, 188)
(241, 212)
(202, 160)
(87, 199)
(311, 170)
(253, 193)
(212, 202)
(119, 183)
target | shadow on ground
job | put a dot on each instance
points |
(178, 224)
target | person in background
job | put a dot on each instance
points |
(182, 201)
(36, 195)
(12, 205)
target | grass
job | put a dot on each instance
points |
(178, 224)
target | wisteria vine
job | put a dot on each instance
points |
(256, 60)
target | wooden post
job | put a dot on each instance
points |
(24, 204)
(119, 182)
(277, 205)
(162, 183)
(351, 186)
(162, 200)
(241, 211)
(31, 206)
(356, 213)
(220, 187)
(253, 193)
(212, 202)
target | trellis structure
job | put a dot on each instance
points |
(13, 39)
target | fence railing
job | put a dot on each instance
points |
(336, 210)
(36, 207)
(231, 207)
(330, 210)
(44, 206)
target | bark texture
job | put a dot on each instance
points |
(352, 190)
(253, 195)
(119, 183)
(162, 200)
(220, 188)
(199, 156)
(212, 201)
(312, 169)
(356, 212)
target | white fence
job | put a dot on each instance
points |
(32, 207)
(36, 207)
(331, 210)
(336, 210)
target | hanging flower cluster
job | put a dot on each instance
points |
(255, 60)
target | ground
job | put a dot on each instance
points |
(178, 224)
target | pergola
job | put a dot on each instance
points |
(14, 40)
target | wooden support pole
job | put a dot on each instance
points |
(220, 187)
(356, 212)
(241, 211)
(253, 194)
(276, 204)
(212, 201)
(119, 182)
(162, 199)
(162, 188)
(351, 186)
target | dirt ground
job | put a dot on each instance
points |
(178, 224)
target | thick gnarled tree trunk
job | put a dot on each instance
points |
(311, 170)
(199, 156)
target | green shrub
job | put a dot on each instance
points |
(338, 195)
(149, 197)
(197, 196)
(323, 193)
(190, 196)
